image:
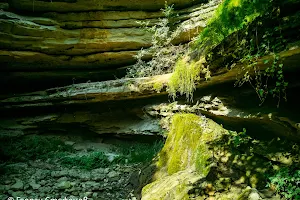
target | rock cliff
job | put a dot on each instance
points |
(57, 43)
(64, 57)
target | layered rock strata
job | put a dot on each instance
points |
(85, 41)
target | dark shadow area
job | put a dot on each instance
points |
(239, 161)
(19, 82)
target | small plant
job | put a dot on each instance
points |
(138, 153)
(238, 139)
(276, 72)
(269, 82)
(90, 161)
(286, 182)
(164, 54)
(184, 78)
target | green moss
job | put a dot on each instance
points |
(183, 79)
(186, 145)
(158, 86)
(148, 187)
(202, 155)
(244, 194)
(231, 16)
(182, 141)
(185, 158)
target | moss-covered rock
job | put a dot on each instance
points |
(186, 145)
(200, 160)
(185, 159)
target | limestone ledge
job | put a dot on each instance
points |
(141, 89)
(132, 88)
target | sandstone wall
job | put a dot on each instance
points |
(59, 42)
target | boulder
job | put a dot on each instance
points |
(185, 158)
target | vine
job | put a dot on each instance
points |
(243, 32)
(268, 82)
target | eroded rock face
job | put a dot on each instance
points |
(86, 37)
(97, 120)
